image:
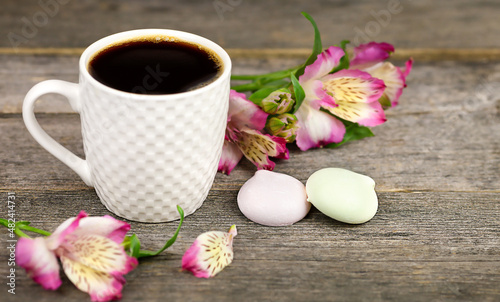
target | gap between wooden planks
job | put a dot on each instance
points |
(419, 54)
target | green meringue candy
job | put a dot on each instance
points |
(343, 195)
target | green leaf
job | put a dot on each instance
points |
(299, 93)
(344, 61)
(353, 132)
(317, 46)
(261, 94)
(171, 241)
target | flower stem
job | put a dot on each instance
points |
(20, 233)
(246, 87)
(22, 225)
(259, 81)
(145, 253)
(280, 74)
(34, 230)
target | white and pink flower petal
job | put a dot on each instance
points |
(317, 128)
(39, 262)
(317, 96)
(408, 67)
(231, 156)
(101, 286)
(353, 86)
(210, 253)
(324, 64)
(365, 114)
(63, 230)
(105, 226)
(394, 80)
(244, 113)
(100, 253)
(370, 53)
(257, 147)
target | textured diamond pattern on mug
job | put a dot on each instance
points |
(148, 156)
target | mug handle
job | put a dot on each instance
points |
(71, 92)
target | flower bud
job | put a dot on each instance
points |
(283, 125)
(278, 102)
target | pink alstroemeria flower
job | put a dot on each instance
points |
(244, 137)
(349, 94)
(210, 253)
(371, 57)
(90, 251)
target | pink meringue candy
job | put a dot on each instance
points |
(273, 199)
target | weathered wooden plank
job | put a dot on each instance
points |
(436, 86)
(418, 54)
(436, 161)
(419, 247)
(438, 151)
(255, 24)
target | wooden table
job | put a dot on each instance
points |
(436, 162)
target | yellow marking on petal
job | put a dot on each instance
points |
(218, 253)
(390, 75)
(348, 89)
(99, 253)
(256, 147)
(89, 280)
(352, 112)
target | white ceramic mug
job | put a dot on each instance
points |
(144, 154)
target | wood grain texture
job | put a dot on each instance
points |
(444, 135)
(474, 85)
(418, 54)
(422, 246)
(423, 152)
(436, 162)
(258, 23)
(436, 235)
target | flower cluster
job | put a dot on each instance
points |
(333, 98)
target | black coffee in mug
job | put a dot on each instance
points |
(152, 66)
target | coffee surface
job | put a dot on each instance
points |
(155, 67)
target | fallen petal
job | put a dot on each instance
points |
(210, 253)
